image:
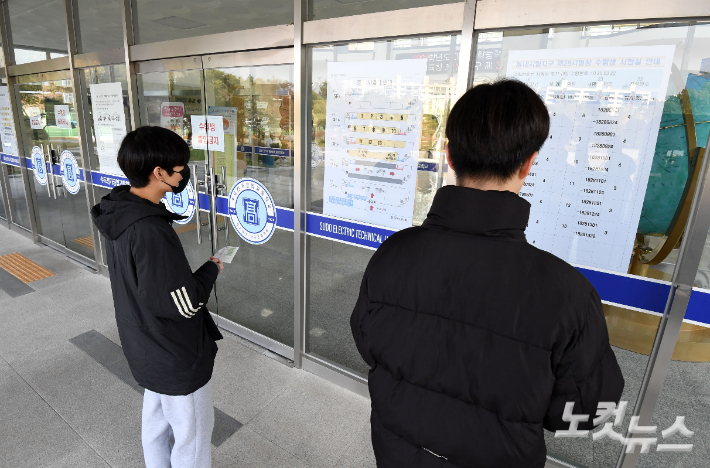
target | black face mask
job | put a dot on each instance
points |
(185, 173)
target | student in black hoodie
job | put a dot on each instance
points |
(167, 334)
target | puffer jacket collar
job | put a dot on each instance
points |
(479, 212)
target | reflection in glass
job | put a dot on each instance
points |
(62, 216)
(99, 75)
(162, 20)
(99, 25)
(256, 105)
(32, 43)
(323, 9)
(16, 192)
(337, 268)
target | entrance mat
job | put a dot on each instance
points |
(87, 242)
(110, 356)
(23, 268)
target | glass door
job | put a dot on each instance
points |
(239, 124)
(50, 133)
(254, 202)
(170, 99)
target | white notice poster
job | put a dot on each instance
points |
(7, 129)
(588, 183)
(109, 124)
(62, 116)
(373, 123)
(207, 132)
(35, 116)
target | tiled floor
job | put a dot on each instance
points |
(59, 407)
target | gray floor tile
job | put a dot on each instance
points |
(101, 408)
(32, 433)
(313, 420)
(245, 381)
(38, 335)
(248, 449)
(360, 453)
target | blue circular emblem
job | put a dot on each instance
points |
(252, 211)
(39, 165)
(182, 203)
(70, 172)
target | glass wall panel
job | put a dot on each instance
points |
(98, 25)
(162, 20)
(608, 187)
(379, 109)
(32, 42)
(16, 191)
(336, 8)
(49, 123)
(3, 215)
(686, 390)
(113, 97)
(256, 104)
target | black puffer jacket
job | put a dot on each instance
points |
(167, 334)
(476, 339)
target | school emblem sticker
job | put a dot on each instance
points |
(39, 165)
(70, 172)
(252, 211)
(182, 203)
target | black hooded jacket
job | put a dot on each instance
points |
(167, 334)
(476, 339)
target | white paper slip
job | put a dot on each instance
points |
(226, 254)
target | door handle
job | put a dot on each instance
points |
(197, 204)
(213, 196)
(223, 186)
(44, 160)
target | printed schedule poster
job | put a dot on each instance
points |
(588, 183)
(373, 123)
(109, 124)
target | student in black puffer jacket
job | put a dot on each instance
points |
(475, 338)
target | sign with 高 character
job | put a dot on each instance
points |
(182, 203)
(252, 211)
(70, 172)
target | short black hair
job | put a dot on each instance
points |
(494, 128)
(146, 148)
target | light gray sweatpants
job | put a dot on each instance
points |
(177, 429)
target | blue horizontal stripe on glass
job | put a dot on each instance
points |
(284, 217)
(108, 180)
(698, 307)
(10, 159)
(346, 231)
(244, 149)
(203, 201)
(629, 291)
(632, 292)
